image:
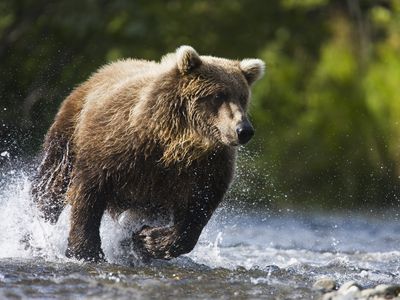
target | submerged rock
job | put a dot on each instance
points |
(352, 291)
(272, 268)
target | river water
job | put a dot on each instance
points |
(241, 254)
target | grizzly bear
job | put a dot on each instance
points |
(157, 139)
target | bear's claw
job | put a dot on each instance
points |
(157, 242)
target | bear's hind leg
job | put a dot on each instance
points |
(52, 180)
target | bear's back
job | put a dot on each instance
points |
(122, 69)
(113, 76)
(111, 92)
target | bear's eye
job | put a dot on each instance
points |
(214, 99)
(219, 97)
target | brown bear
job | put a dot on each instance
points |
(155, 139)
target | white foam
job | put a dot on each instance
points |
(20, 221)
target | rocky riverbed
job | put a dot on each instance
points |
(352, 290)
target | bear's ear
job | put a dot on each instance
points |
(187, 59)
(253, 69)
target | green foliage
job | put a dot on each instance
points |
(327, 113)
(332, 119)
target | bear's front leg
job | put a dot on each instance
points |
(169, 242)
(84, 236)
(172, 241)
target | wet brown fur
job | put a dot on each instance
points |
(144, 136)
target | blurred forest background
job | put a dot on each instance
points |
(326, 114)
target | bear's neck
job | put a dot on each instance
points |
(174, 142)
(185, 148)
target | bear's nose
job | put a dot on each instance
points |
(245, 132)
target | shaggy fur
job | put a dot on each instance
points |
(155, 138)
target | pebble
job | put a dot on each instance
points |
(352, 291)
(325, 284)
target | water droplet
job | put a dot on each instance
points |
(5, 154)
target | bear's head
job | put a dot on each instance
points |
(200, 102)
(216, 93)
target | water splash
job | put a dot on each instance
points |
(24, 233)
(357, 248)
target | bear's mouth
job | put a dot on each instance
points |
(229, 140)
